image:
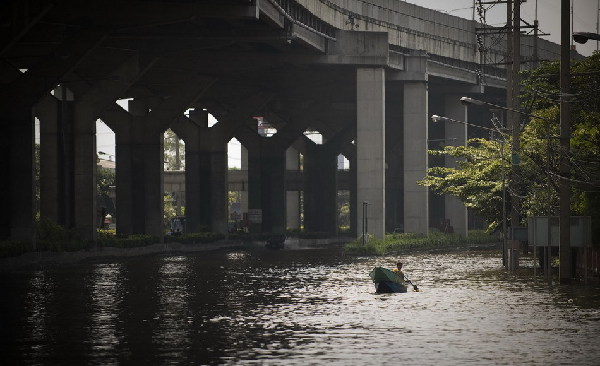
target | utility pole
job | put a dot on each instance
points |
(509, 91)
(513, 50)
(515, 117)
(565, 271)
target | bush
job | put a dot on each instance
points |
(394, 243)
(12, 248)
(195, 238)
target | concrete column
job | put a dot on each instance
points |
(47, 113)
(394, 174)
(456, 134)
(292, 163)
(16, 153)
(84, 172)
(244, 192)
(370, 130)
(196, 188)
(206, 176)
(127, 223)
(354, 223)
(140, 202)
(416, 206)
(273, 188)
(320, 192)
(219, 189)
(255, 201)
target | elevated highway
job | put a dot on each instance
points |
(365, 74)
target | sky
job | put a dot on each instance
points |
(584, 17)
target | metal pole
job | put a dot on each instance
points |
(363, 224)
(503, 204)
(515, 117)
(548, 248)
(367, 222)
(565, 272)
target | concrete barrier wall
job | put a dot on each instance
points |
(414, 27)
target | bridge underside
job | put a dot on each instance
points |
(67, 63)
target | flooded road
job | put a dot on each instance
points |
(293, 307)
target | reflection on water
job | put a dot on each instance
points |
(36, 302)
(295, 307)
(105, 301)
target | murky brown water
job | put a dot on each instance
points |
(293, 307)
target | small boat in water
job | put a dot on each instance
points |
(387, 281)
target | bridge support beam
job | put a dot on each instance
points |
(205, 175)
(370, 152)
(320, 189)
(139, 148)
(456, 134)
(394, 191)
(266, 186)
(16, 153)
(416, 200)
(292, 197)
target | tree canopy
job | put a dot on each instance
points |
(477, 177)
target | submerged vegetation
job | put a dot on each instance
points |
(395, 243)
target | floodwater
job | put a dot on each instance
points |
(293, 307)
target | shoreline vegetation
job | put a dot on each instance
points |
(396, 243)
(55, 240)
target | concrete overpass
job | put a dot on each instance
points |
(366, 75)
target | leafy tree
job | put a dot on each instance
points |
(477, 178)
(541, 93)
(174, 156)
(105, 178)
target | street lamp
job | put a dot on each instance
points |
(582, 37)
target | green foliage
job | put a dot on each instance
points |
(300, 233)
(343, 202)
(13, 248)
(174, 148)
(195, 238)
(395, 243)
(477, 179)
(105, 178)
(169, 211)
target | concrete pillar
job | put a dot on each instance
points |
(416, 206)
(140, 202)
(370, 131)
(320, 192)
(292, 163)
(47, 113)
(196, 188)
(206, 176)
(84, 171)
(244, 192)
(456, 134)
(219, 189)
(273, 188)
(354, 223)
(394, 174)
(16, 154)
(255, 200)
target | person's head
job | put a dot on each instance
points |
(399, 265)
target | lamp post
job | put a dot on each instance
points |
(365, 223)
